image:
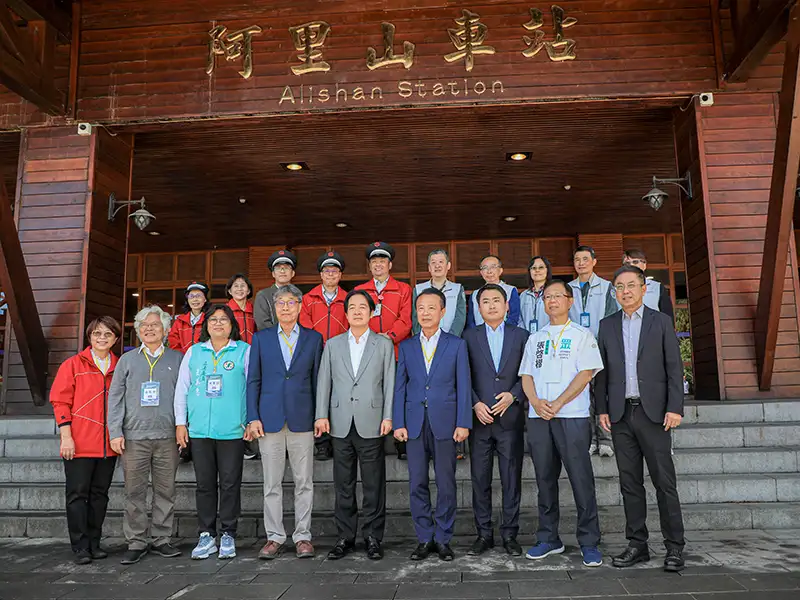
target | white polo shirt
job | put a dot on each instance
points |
(553, 357)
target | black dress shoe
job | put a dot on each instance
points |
(82, 557)
(131, 557)
(512, 546)
(98, 553)
(444, 551)
(374, 550)
(630, 556)
(674, 561)
(480, 545)
(341, 549)
(423, 550)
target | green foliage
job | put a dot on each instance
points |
(682, 319)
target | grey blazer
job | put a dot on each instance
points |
(364, 397)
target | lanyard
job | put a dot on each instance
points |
(558, 339)
(428, 359)
(217, 357)
(288, 345)
(152, 364)
(102, 363)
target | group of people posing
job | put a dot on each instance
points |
(589, 366)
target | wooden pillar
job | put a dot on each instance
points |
(74, 256)
(728, 148)
(779, 231)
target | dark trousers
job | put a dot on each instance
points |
(553, 443)
(599, 435)
(348, 453)
(636, 438)
(443, 453)
(218, 460)
(484, 441)
(88, 480)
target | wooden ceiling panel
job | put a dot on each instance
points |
(417, 175)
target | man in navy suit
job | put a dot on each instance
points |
(495, 354)
(432, 406)
(281, 402)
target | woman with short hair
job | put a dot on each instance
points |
(240, 290)
(185, 330)
(79, 396)
(211, 409)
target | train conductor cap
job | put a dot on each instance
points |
(379, 249)
(330, 259)
(282, 257)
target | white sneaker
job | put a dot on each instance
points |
(592, 448)
(206, 546)
(606, 450)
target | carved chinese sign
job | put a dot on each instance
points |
(468, 38)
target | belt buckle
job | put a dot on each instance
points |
(634, 401)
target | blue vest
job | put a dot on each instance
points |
(221, 417)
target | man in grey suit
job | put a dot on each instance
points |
(355, 390)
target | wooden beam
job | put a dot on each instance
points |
(51, 11)
(783, 189)
(26, 62)
(22, 312)
(756, 36)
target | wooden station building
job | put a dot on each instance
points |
(405, 113)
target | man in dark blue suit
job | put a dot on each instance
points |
(432, 406)
(281, 402)
(495, 354)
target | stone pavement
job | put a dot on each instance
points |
(750, 564)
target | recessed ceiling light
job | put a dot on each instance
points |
(242, 200)
(153, 233)
(341, 225)
(510, 219)
(568, 187)
(518, 156)
(135, 294)
(295, 166)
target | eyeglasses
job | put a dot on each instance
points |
(330, 271)
(549, 297)
(103, 335)
(197, 296)
(282, 268)
(486, 268)
(219, 321)
(285, 303)
(145, 326)
(631, 287)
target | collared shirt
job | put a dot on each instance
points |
(631, 331)
(288, 344)
(155, 354)
(102, 363)
(329, 297)
(356, 348)
(380, 285)
(193, 319)
(495, 338)
(429, 348)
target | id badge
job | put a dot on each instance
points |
(551, 370)
(377, 312)
(586, 320)
(150, 393)
(533, 325)
(213, 386)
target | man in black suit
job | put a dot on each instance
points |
(639, 399)
(495, 353)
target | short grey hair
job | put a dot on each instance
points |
(442, 251)
(152, 309)
(289, 290)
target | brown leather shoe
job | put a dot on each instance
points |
(304, 549)
(270, 550)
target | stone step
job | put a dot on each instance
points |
(733, 435)
(697, 517)
(688, 461)
(693, 489)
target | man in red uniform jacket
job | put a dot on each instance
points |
(323, 306)
(392, 316)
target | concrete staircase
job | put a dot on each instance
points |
(738, 468)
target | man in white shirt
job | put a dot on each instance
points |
(559, 362)
(355, 390)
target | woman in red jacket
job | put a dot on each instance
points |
(240, 290)
(80, 401)
(185, 330)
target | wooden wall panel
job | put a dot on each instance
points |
(53, 247)
(737, 137)
(154, 66)
(706, 338)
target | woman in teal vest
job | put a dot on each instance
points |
(211, 408)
